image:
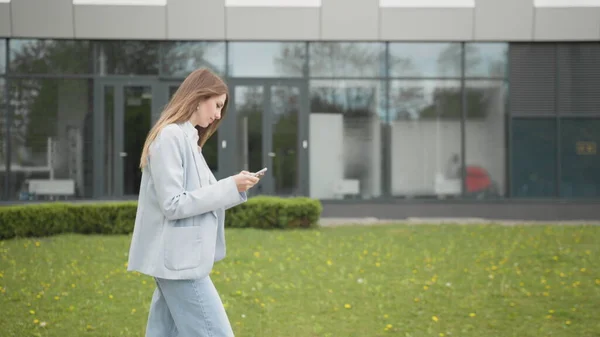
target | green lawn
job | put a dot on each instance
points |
(480, 281)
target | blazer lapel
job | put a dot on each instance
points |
(195, 154)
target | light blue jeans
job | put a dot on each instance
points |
(187, 308)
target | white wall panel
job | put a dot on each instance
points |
(492, 16)
(250, 23)
(421, 24)
(120, 22)
(196, 20)
(350, 20)
(567, 24)
(5, 20)
(42, 18)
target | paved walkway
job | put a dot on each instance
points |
(332, 222)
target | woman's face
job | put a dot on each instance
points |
(209, 110)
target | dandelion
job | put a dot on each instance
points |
(347, 306)
(37, 243)
(35, 321)
(133, 311)
(568, 322)
(329, 263)
(32, 312)
(472, 315)
(435, 318)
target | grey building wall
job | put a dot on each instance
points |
(489, 20)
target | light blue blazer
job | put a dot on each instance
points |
(179, 227)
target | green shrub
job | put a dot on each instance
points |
(38, 220)
(274, 212)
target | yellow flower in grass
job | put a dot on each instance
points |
(435, 318)
(472, 314)
(347, 306)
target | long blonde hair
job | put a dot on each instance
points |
(200, 85)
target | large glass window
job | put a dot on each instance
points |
(486, 60)
(47, 136)
(580, 160)
(3, 149)
(345, 139)
(533, 157)
(485, 134)
(425, 138)
(347, 59)
(267, 59)
(181, 58)
(126, 57)
(425, 59)
(50, 57)
(2, 56)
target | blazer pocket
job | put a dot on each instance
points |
(182, 247)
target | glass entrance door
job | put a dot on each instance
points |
(267, 127)
(125, 114)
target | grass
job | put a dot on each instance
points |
(347, 281)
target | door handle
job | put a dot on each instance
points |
(122, 154)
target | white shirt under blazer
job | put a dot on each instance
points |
(179, 230)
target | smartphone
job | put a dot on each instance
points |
(260, 173)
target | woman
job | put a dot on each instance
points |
(179, 225)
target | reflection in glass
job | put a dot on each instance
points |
(285, 106)
(347, 59)
(109, 140)
(425, 59)
(50, 56)
(533, 157)
(249, 109)
(580, 159)
(485, 132)
(47, 133)
(2, 57)
(126, 57)
(345, 136)
(425, 138)
(267, 59)
(137, 118)
(486, 60)
(181, 58)
(3, 149)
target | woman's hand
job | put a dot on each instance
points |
(245, 181)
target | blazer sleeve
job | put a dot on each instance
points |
(167, 171)
(243, 198)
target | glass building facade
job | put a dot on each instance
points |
(331, 120)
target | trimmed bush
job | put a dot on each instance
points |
(38, 220)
